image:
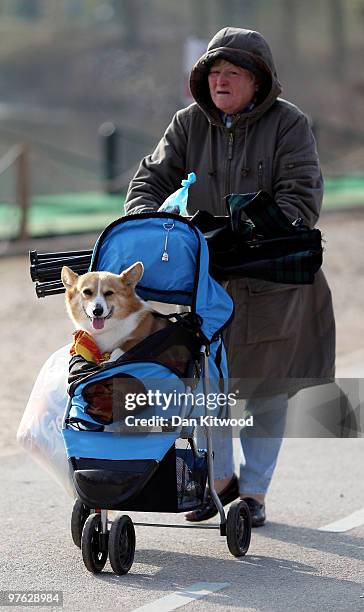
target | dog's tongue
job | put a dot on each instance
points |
(98, 323)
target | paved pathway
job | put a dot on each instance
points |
(290, 565)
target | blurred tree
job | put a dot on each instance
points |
(29, 9)
(224, 12)
(127, 12)
(199, 19)
(290, 29)
(338, 37)
(246, 14)
(74, 8)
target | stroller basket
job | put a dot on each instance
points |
(175, 484)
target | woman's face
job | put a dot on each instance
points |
(231, 87)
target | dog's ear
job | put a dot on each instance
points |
(132, 275)
(69, 277)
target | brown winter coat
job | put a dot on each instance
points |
(280, 332)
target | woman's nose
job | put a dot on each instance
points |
(221, 79)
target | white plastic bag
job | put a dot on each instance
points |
(39, 431)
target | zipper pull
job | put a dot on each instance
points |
(168, 227)
(260, 175)
(230, 145)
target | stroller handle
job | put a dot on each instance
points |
(45, 269)
(51, 288)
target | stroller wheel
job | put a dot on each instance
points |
(122, 544)
(94, 550)
(80, 513)
(238, 528)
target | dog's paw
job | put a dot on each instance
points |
(116, 353)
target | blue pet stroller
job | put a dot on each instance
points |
(155, 466)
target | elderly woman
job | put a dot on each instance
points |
(240, 137)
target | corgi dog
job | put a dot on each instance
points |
(105, 306)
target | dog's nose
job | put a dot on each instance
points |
(98, 310)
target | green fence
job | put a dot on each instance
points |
(77, 213)
(71, 213)
(344, 192)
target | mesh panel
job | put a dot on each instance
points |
(191, 476)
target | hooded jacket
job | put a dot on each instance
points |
(283, 335)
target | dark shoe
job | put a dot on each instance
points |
(257, 511)
(208, 508)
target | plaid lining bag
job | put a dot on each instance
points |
(259, 241)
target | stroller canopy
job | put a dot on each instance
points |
(176, 265)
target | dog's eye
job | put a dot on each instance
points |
(108, 293)
(87, 292)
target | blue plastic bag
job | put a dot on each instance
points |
(177, 201)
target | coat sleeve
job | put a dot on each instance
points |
(297, 181)
(160, 173)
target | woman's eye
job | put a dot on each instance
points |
(108, 293)
(87, 292)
